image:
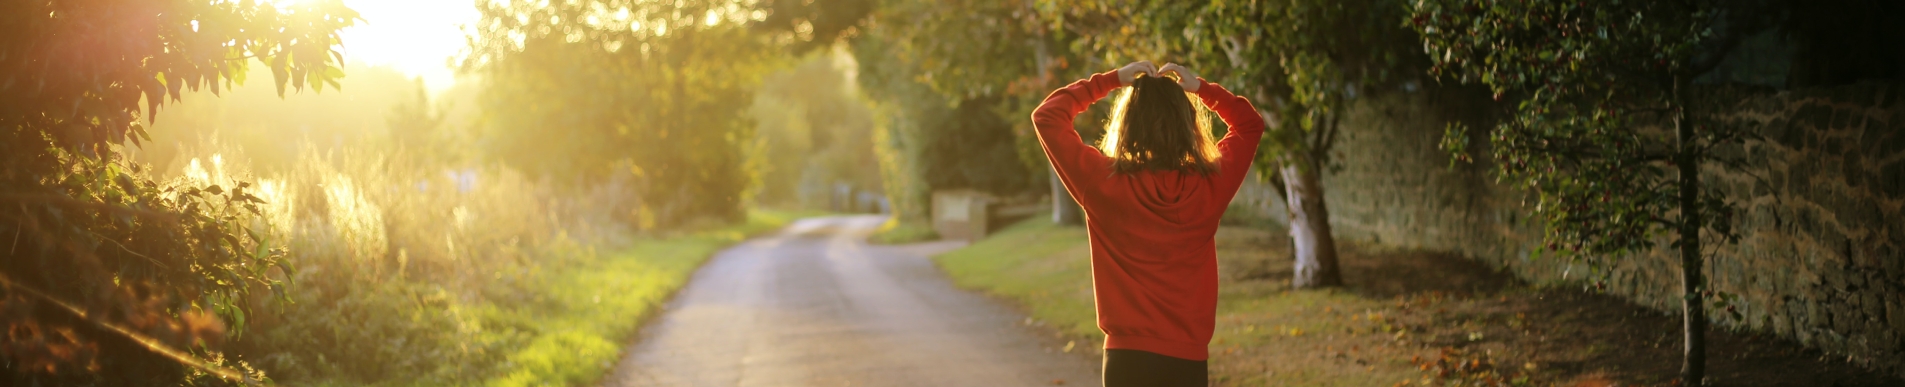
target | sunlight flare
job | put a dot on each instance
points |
(418, 37)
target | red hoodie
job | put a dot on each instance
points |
(1153, 256)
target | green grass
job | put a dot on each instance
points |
(896, 232)
(586, 311)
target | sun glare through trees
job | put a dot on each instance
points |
(829, 192)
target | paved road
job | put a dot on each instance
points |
(816, 306)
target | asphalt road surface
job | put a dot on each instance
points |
(814, 305)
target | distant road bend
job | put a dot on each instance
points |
(814, 305)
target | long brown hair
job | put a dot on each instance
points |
(1156, 125)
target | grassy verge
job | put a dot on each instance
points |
(585, 311)
(1405, 318)
(895, 232)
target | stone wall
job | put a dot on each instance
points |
(1821, 260)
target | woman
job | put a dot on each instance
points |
(1152, 196)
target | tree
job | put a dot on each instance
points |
(656, 91)
(1589, 81)
(953, 142)
(815, 130)
(941, 129)
(112, 277)
(898, 139)
(1303, 61)
(983, 66)
(989, 49)
(805, 25)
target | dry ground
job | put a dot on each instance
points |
(1443, 311)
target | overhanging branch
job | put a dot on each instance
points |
(148, 343)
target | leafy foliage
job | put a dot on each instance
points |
(815, 130)
(1319, 55)
(111, 273)
(930, 140)
(972, 48)
(656, 91)
(979, 51)
(1589, 81)
(804, 25)
(1593, 82)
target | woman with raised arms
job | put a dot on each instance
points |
(1152, 192)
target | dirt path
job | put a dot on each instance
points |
(816, 306)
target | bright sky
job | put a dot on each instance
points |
(416, 37)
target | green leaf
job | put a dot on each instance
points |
(239, 72)
(280, 72)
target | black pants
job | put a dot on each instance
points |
(1133, 368)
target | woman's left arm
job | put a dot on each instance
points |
(1239, 145)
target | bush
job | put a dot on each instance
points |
(407, 274)
(404, 273)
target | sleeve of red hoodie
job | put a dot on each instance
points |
(1080, 165)
(1239, 146)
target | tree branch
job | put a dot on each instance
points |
(54, 199)
(1329, 139)
(149, 343)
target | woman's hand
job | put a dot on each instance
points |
(1130, 72)
(1185, 77)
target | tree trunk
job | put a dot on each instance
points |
(1065, 210)
(1309, 227)
(1693, 309)
(1310, 236)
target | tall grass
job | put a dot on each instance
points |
(407, 274)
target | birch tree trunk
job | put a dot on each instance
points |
(1309, 222)
(1315, 246)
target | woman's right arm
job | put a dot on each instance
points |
(1076, 162)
